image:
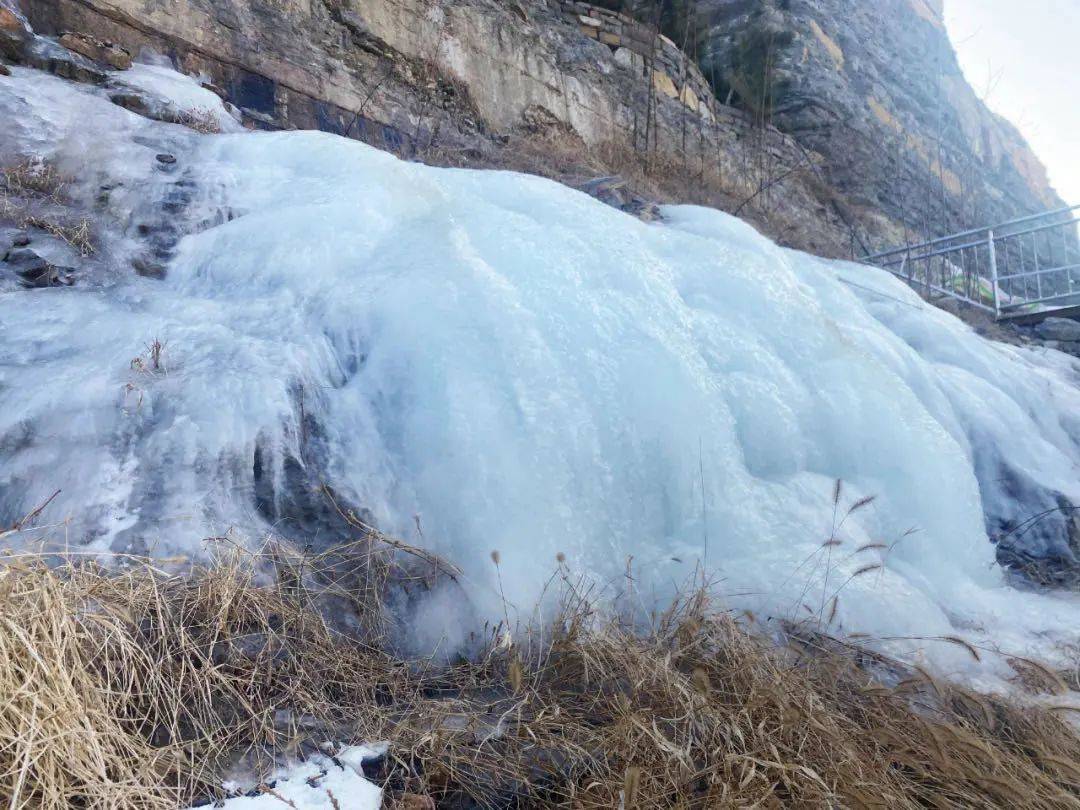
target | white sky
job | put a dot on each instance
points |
(1023, 57)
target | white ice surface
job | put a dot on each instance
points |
(185, 92)
(317, 783)
(512, 365)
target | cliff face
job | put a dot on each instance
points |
(877, 90)
(876, 133)
(555, 87)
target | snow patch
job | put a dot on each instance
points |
(318, 783)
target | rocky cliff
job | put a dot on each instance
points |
(877, 90)
(865, 130)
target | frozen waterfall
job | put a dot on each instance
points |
(500, 362)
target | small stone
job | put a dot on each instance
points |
(166, 158)
(1060, 329)
(22, 239)
(63, 275)
(148, 267)
(4, 70)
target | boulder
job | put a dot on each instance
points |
(1036, 529)
(103, 52)
(46, 55)
(145, 104)
(15, 32)
(1059, 329)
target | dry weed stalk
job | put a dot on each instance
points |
(133, 688)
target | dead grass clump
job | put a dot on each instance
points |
(65, 739)
(33, 194)
(33, 178)
(136, 688)
(78, 234)
(201, 119)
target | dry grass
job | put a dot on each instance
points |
(77, 233)
(776, 202)
(33, 194)
(33, 178)
(201, 119)
(134, 688)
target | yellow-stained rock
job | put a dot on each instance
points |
(663, 84)
(689, 98)
(834, 50)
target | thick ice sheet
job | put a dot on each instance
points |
(503, 363)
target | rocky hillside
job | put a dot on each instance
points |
(865, 130)
(876, 89)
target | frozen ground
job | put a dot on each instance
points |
(500, 362)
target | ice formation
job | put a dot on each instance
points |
(487, 360)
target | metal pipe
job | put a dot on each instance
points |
(975, 231)
(935, 288)
(1063, 225)
(1061, 297)
(1059, 269)
(941, 252)
(993, 272)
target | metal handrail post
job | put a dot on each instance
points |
(993, 271)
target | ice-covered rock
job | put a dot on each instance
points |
(45, 54)
(1061, 329)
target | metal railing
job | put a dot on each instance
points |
(1022, 266)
